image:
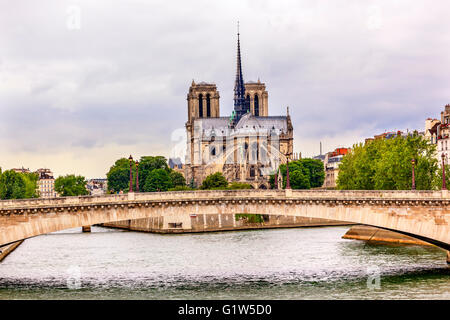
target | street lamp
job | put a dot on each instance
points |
(137, 176)
(444, 186)
(413, 162)
(131, 174)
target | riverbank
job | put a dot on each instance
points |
(6, 250)
(222, 222)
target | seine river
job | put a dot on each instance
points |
(304, 263)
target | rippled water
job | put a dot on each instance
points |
(304, 263)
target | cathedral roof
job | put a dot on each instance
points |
(210, 123)
(249, 121)
(248, 124)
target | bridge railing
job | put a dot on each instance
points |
(383, 194)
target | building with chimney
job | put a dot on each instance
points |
(246, 146)
(437, 132)
(21, 170)
(46, 183)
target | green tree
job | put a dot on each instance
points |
(181, 188)
(71, 185)
(239, 185)
(299, 180)
(437, 183)
(272, 181)
(149, 163)
(118, 176)
(12, 185)
(385, 164)
(30, 180)
(177, 179)
(157, 180)
(214, 181)
(356, 169)
(315, 171)
(303, 174)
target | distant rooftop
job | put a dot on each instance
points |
(320, 157)
(175, 162)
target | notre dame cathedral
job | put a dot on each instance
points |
(247, 146)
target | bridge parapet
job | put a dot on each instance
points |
(382, 194)
(331, 195)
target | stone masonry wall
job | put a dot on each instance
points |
(220, 222)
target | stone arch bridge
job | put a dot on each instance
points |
(421, 214)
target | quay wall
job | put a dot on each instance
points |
(6, 250)
(367, 233)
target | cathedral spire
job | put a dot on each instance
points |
(241, 107)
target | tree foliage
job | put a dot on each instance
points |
(437, 183)
(214, 181)
(177, 179)
(385, 164)
(157, 180)
(181, 188)
(118, 175)
(14, 185)
(315, 171)
(298, 180)
(71, 185)
(31, 180)
(303, 174)
(146, 165)
(239, 185)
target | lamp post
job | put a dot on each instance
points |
(131, 174)
(444, 185)
(288, 182)
(413, 162)
(137, 176)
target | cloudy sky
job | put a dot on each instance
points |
(83, 83)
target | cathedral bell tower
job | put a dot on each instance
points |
(257, 97)
(203, 101)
